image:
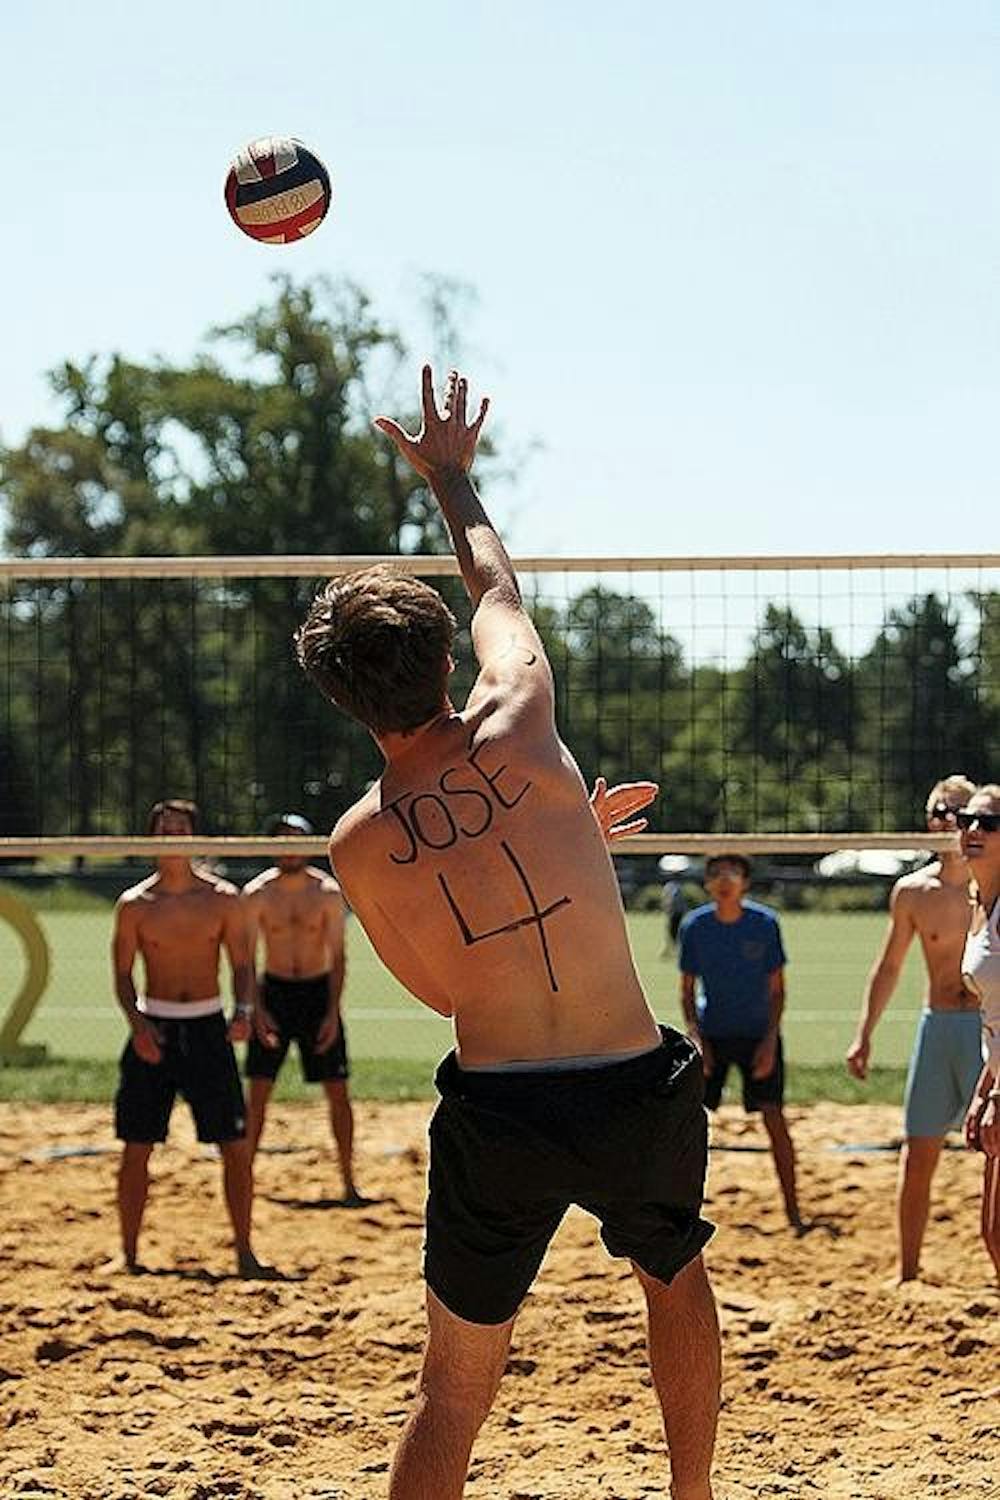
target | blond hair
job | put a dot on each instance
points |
(955, 783)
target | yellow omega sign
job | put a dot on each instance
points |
(36, 952)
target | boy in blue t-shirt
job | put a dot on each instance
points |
(733, 946)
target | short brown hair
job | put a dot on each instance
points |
(377, 643)
(173, 804)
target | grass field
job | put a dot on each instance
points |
(395, 1042)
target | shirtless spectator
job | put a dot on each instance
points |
(932, 904)
(480, 873)
(179, 920)
(298, 912)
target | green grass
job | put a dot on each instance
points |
(93, 1081)
(395, 1042)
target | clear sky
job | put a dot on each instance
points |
(738, 264)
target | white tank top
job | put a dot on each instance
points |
(981, 972)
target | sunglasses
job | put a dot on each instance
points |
(985, 822)
(941, 811)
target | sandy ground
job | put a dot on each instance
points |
(191, 1384)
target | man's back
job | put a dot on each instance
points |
(505, 910)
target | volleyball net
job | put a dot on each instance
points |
(768, 695)
(787, 707)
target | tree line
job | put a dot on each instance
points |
(115, 692)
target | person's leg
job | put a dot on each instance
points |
(991, 1211)
(259, 1093)
(685, 1360)
(133, 1190)
(462, 1369)
(338, 1102)
(784, 1160)
(917, 1161)
(237, 1181)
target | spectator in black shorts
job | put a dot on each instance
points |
(179, 920)
(299, 913)
(733, 946)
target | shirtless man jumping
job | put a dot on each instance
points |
(932, 904)
(480, 873)
(299, 912)
(179, 920)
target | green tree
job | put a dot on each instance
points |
(619, 687)
(791, 729)
(263, 444)
(921, 714)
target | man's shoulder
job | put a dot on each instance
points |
(698, 917)
(924, 881)
(351, 827)
(261, 882)
(215, 887)
(764, 916)
(139, 892)
(324, 883)
(492, 722)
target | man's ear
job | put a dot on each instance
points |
(451, 664)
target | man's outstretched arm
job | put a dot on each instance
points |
(442, 452)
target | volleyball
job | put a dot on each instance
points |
(277, 190)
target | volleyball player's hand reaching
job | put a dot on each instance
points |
(447, 439)
(612, 806)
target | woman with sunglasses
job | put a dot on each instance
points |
(979, 827)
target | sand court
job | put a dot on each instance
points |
(191, 1384)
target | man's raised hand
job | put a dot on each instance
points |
(446, 440)
(612, 806)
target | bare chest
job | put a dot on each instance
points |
(297, 914)
(941, 917)
(180, 924)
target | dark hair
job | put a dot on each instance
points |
(377, 644)
(173, 804)
(739, 860)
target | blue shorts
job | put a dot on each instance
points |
(946, 1063)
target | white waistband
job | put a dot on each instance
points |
(589, 1061)
(178, 1010)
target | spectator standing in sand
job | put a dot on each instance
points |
(979, 822)
(733, 947)
(299, 913)
(933, 905)
(178, 921)
(480, 873)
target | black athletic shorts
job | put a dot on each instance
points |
(739, 1050)
(198, 1062)
(509, 1153)
(298, 1007)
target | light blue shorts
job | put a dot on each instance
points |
(946, 1063)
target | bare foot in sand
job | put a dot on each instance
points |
(121, 1265)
